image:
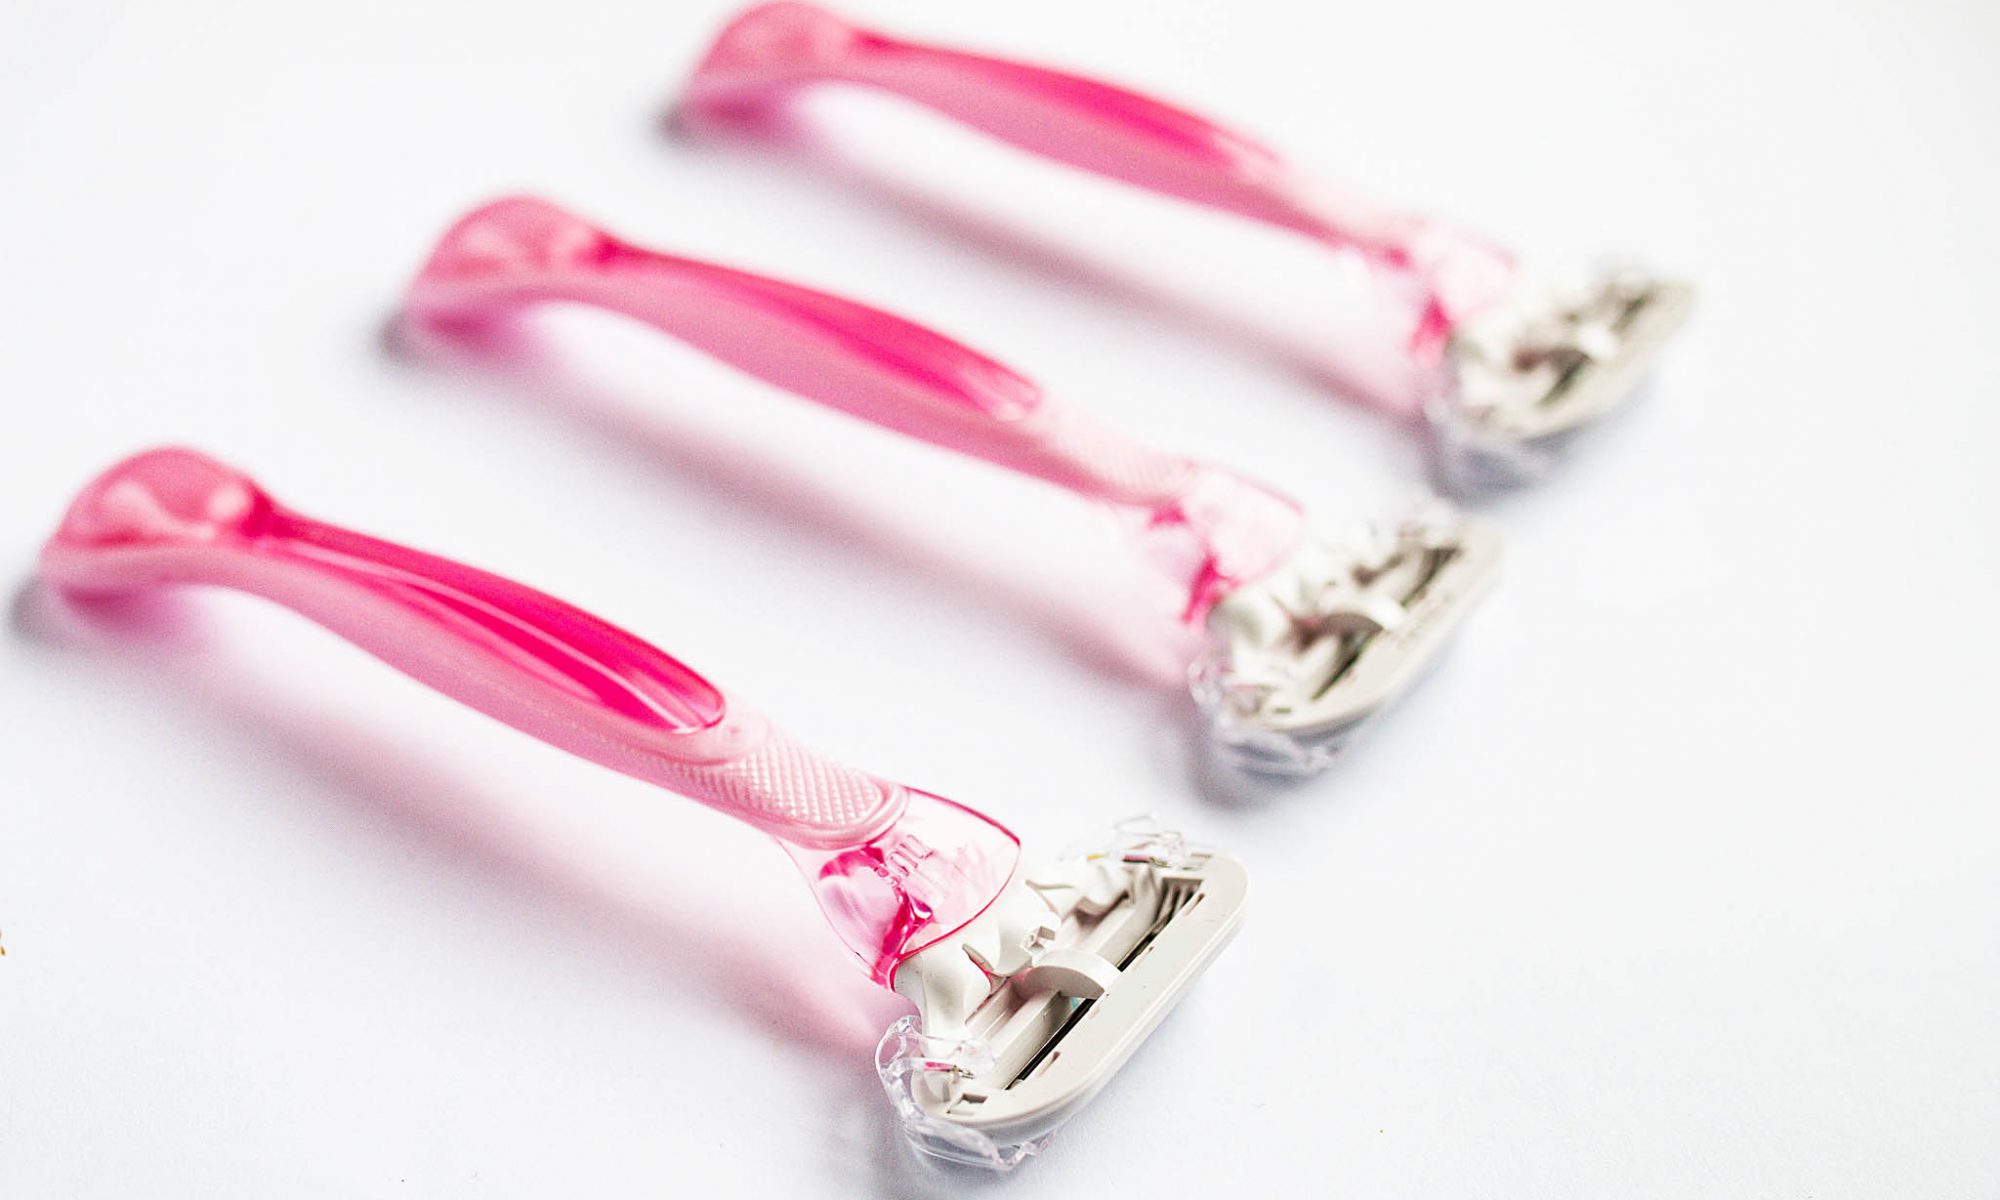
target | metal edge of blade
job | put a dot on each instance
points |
(1596, 388)
(1089, 1051)
(1394, 659)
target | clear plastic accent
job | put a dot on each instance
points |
(914, 1067)
(1220, 532)
(1250, 744)
(936, 868)
(1140, 838)
(1472, 459)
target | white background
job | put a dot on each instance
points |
(1678, 879)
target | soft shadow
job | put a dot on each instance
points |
(1117, 636)
(1348, 363)
(158, 644)
(1219, 780)
(900, 1171)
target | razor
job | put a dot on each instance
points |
(1308, 632)
(1512, 365)
(1033, 981)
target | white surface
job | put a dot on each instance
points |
(1678, 880)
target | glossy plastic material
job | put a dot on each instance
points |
(1207, 528)
(893, 868)
(774, 49)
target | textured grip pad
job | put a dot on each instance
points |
(787, 789)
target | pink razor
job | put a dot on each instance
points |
(1032, 984)
(1308, 635)
(1515, 365)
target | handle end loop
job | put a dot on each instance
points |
(163, 499)
(765, 51)
(502, 242)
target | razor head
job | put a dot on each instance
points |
(1298, 660)
(1522, 377)
(1028, 1011)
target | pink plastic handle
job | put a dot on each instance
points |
(520, 252)
(774, 49)
(552, 671)
(514, 653)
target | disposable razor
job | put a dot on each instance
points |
(1512, 365)
(1033, 981)
(1309, 633)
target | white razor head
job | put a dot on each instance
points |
(1298, 659)
(1520, 378)
(1028, 1011)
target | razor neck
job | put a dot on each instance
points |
(1214, 536)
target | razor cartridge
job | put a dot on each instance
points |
(1026, 1012)
(1223, 543)
(1300, 659)
(1523, 366)
(1520, 378)
(1032, 985)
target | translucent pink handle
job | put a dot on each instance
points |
(520, 252)
(773, 49)
(526, 658)
(553, 671)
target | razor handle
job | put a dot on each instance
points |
(521, 252)
(524, 657)
(893, 868)
(775, 49)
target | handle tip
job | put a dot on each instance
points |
(767, 46)
(510, 234)
(509, 238)
(165, 497)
